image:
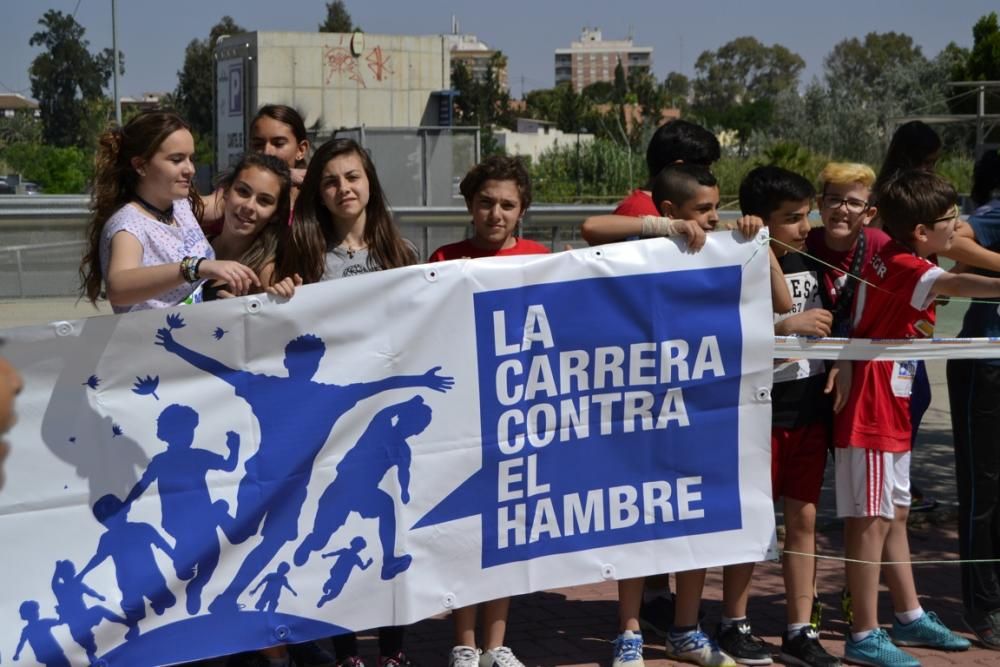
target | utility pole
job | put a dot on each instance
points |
(114, 64)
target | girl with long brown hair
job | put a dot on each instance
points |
(145, 247)
(342, 224)
(342, 227)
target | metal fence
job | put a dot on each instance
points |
(41, 237)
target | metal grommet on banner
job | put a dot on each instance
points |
(63, 328)
(597, 253)
(254, 305)
(763, 394)
(608, 571)
(282, 632)
(431, 275)
(448, 600)
(763, 237)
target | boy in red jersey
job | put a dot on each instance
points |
(497, 192)
(872, 432)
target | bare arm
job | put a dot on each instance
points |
(609, 228)
(781, 298)
(129, 282)
(813, 322)
(966, 250)
(966, 284)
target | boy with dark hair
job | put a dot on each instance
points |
(872, 432)
(799, 431)
(688, 196)
(677, 141)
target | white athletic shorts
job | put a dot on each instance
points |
(870, 482)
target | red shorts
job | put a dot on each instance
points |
(798, 460)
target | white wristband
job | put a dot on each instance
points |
(653, 225)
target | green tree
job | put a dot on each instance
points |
(621, 84)
(338, 19)
(482, 101)
(677, 89)
(599, 92)
(736, 85)
(59, 170)
(21, 128)
(542, 103)
(66, 78)
(195, 80)
(863, 63)
(744, 70)
(981, 63)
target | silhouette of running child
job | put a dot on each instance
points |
(130, 547)
(73, 611)
(347, 560)
(273, 583)
(189, 515)
(295, 415)
(355, 488)
(37, 633)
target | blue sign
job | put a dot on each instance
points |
(609, 413)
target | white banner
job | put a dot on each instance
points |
(189, 482)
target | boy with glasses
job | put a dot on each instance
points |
(872, 431)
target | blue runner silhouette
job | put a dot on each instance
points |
(340, 572)
(355, 488)
(295, 415)
(189, 515)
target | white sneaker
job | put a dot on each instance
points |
(501, 656)
(628, 650)
(463, 656)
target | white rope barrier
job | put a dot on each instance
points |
(798, 347)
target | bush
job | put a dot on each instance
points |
(56, 170)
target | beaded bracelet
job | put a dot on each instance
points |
(189, 268)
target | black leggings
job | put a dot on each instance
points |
(974, 393)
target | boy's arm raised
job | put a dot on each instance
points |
(600, 229)
(966, 284)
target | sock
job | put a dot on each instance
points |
(795, 628)
(908, 617)
(730, 622)
(860, 636)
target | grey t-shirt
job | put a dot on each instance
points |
(341, 264)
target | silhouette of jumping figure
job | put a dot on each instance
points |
(273, 583)
(355, 488)
(189, 515)
(295, 415)
(347, 560)
(130, 547)
(73, 611)
(37, 633)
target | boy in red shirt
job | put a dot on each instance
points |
(872, 431)
(497, 193)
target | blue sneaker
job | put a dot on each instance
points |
(929, 631)
(877, 650)
(628, 650)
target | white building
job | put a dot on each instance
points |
(534, 137)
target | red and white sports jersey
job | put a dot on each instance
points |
(900, 304)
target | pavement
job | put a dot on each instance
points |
(575, 626)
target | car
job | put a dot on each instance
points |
(29, 188)
(6, 188)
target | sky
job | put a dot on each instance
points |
(152, 34)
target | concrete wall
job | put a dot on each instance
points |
(388, 83)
